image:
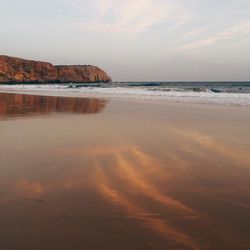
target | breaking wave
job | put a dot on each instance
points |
(208, 93)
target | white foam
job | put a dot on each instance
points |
(239, 99)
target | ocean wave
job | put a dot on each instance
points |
(206, 97)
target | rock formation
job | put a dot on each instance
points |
(17, 70)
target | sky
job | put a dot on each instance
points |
(133, 40)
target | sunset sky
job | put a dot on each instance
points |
(139, 40)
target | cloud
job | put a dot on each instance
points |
(195, 32)
(127, 16)
(230, 33)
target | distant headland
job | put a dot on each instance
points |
(16, 70)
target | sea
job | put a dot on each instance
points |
(214, 87)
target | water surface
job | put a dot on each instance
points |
(81, 173)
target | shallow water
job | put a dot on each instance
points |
(81, 173)
(230, 94)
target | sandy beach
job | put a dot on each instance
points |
(106, 173)
(125, 125)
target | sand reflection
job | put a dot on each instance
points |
(210, 143)
(13, 105)
(167, 185)
(127, 171)
(124, 182)
(130, 165)
(134, 210)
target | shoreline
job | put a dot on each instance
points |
(130, 100)
(223, 101)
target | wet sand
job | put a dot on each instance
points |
(93, 173)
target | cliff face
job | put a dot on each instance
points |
(17, 70)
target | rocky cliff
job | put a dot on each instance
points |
(17, 70)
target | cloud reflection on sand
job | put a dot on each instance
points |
(211, 143)
(130, 177)
(134, 210)
(131, 173)
(135, 178)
